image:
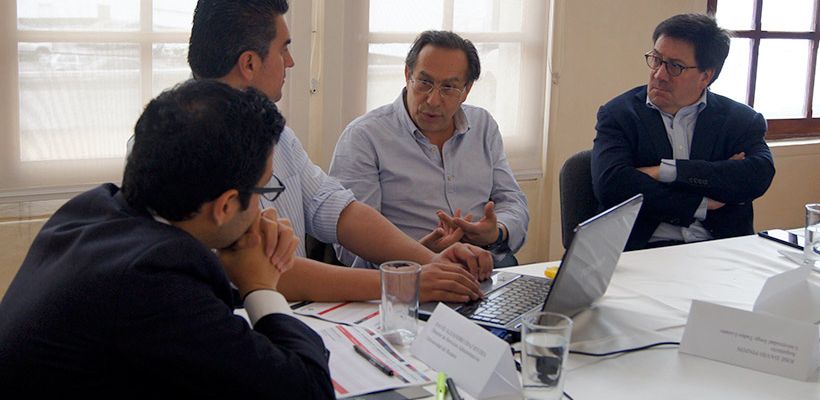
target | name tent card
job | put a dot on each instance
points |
(791, 295)
(478, 361)
(764, 342)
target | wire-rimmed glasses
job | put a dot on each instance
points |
(446, 90)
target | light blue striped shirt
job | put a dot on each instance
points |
(680, 129)
(312, 200)
(395, 169)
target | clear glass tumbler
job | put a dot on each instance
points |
(399, 308)
(545, 339)
(811, 250)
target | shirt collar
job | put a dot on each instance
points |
(158, 218)
(462, 124)
(400, 111)
(698, 105)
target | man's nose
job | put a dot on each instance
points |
(661, 73)
(434, 97)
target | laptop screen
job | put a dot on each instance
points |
(588, 264)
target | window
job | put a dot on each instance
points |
(772, 64)
(79, 73)
(511, 38)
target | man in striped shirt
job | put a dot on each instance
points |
(246, 44)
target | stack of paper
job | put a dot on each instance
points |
(353, 375)
(364, 314)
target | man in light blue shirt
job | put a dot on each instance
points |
(432, 165)
(246, 44)
(680, 127)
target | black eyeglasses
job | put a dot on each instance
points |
(270, 193)
(674, 69)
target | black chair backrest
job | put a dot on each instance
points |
(578, 202)
(320, 251)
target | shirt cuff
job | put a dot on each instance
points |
(516, 231)
(700, 213)
(325, 217)
(260, 303)
(668, 171)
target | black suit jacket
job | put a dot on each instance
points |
(109, 302)
(632, 135)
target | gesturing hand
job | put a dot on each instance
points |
(444, 234)
(482, 232)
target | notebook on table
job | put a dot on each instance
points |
(583, 277)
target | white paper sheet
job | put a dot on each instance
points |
(364, 314)
(352, 375)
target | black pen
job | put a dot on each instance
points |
(376, 363)
(451, 387)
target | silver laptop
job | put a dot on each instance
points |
(582, 278)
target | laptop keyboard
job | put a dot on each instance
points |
(509, 302)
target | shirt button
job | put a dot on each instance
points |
(450, 178)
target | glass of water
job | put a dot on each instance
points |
(811, 250)
(545, 339)
(400, 300)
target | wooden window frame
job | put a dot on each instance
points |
(790, 128)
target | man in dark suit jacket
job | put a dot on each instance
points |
(699, 158)
(121, 295)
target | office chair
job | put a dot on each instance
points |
(578, 202)
(320, 251)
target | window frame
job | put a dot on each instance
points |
(60, 179)
(781, 128)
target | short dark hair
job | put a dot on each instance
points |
(194, 142)
(710, 41)
(224, 29)
(447, 40)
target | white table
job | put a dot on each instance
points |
(648, 301)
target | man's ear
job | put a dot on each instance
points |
(248, 64)
(467, 90)
(706, 77)
(225, 207)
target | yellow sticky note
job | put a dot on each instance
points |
(550, 272)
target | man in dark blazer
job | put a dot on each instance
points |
(121, 295)
(699, 158)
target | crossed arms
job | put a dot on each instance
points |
(624, 163)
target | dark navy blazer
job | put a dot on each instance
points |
(632, 135)
(111, 303)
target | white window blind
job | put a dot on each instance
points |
(76, 76)
(511, 39)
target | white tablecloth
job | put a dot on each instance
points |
(648, 301)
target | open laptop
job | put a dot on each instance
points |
(582, 278)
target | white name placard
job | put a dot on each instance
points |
(478, 361)
(759, 341)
